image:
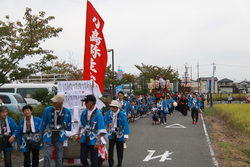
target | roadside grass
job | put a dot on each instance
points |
(238, 115)
(209, 111)
(230, 133)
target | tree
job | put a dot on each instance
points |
(42, 95)
(150, 72)
(111, 78)
(19, 41)
(62, 67)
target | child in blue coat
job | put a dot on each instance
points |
(155, 115)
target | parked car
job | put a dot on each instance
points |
(13, 101)
(248, 98)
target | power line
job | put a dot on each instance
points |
(233, 65)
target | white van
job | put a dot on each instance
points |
(26, 89)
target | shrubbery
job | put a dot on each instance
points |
(43, 96)
(223, 97)
(16, 116)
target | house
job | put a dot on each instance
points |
(243, 86)
(226, 86)
(205, 84)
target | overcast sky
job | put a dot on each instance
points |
(154, 32)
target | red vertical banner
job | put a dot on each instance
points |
(95, 52)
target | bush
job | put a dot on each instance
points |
(223, 97)
(138, 92)
(16, 116)
(43, 96)
(38, 110)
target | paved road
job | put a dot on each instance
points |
(177, 144)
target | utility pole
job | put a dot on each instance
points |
(212, 85)
(198, 77)
(214, 68)
(191, 73)
(186, 72)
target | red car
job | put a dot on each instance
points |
(248, 98)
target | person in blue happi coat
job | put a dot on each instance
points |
(56, 120)
(8, 132)
(133, 110)
(29, 137)
(169, 103)
(118, 130)
(91, 129)
(150, 101)
(124, 105)
(194, 105)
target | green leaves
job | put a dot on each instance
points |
(20, 40)
(42, 95)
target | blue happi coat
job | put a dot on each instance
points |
(96, 126)
(14, 131)
(22, 139)
(194, 103)
(133, 109)
(142, 108)
(168, 103)
(122, 125)
(125, 107)
(150, 100)
(46, 125)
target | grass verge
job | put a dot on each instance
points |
(230, 137)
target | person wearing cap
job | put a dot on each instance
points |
(91, 129)
(56, 120)
(118, 130)
(29, 137)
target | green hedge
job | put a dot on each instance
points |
(223, 97)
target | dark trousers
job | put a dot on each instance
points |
(183, 109)
(7, 158)
(35, 158)
(85, 148)
(119, 150)
(195, 113)
(163, 117)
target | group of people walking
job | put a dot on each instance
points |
(34, 133)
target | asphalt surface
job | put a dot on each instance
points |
(179, 143)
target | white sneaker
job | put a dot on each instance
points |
(165, 123)
(124, 145)
(161, 123)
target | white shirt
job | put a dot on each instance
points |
(114, 118)
(90, 113)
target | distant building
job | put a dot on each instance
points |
(226, 86)
(195, 86)
(243, 86)
(205, 84)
